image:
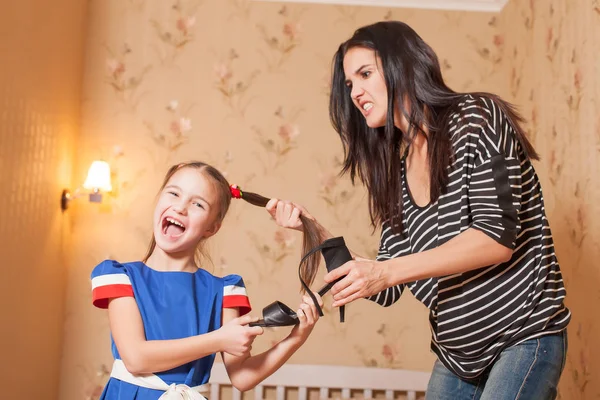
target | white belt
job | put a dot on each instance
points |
(151, 381)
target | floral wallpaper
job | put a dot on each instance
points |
(244, 86)
(553, 69)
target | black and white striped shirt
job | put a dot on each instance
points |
(492, 188)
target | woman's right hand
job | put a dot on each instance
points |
(287, 214)
(237, 337)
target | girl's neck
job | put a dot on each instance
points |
(161, 261)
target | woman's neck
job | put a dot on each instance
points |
(418, 148)
(162, 261)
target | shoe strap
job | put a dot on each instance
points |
(307, 289)
(333, 242)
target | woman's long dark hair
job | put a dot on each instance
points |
(312, 237)
(412, 75)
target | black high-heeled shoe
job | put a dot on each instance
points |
(335, 253)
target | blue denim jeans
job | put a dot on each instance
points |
(527, 371)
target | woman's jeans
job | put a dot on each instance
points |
(527, 371)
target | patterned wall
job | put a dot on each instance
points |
(39, 111)
(244, 86)
(552, 60)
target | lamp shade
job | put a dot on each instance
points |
(98, 177)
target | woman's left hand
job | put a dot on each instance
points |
(363, 278)
(287, 214)
(308, 317)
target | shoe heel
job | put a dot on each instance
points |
(336, 253)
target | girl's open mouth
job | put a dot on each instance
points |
(172, 227)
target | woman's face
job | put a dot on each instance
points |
(364, 76)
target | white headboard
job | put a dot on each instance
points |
(348, 380)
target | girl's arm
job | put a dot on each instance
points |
(246, 371)
(467, 251)
(142, 356)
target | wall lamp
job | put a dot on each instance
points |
(97, 181)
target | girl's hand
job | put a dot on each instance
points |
(236, 337)
(308, 316)
(287, 214)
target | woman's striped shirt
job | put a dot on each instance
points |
(492, 188)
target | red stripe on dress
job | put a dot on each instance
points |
(102, 294)
(237, 301)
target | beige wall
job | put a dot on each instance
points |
(551, 58)
(250, 83)
(40, 84)
(243, 85)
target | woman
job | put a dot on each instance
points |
(452, 186)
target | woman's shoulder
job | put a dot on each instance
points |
(477, 107)
(479, 116)
(483, 126)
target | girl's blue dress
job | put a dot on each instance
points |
(173, 305)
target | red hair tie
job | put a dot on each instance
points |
(236, 192)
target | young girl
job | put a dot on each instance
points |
(168, 317)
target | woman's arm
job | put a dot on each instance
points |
(148, 356)
(469, 250)
(245, 371)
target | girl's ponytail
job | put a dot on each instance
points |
(312, 237)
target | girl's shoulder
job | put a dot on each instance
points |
(235, 294)
(226, 280)
(233, 290)
(111, 279)
(112, 267)
(232, 279)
